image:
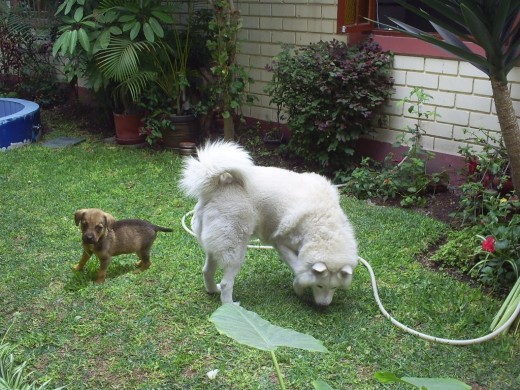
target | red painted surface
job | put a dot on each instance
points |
(451, 164)
(401, 44)
(378, 150)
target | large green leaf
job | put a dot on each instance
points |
(321, 385)
(423, 383)
(148, 32)
(83, 39)
(437, 383)
(248, 328)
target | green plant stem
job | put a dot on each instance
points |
(278, 372)
(508, 307)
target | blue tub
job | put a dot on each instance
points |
(19, 122)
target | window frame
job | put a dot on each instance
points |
(390, 40)
(356, 27)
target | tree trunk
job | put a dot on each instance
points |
(229, 129)
(509, 127)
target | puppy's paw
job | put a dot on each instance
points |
(142, 265)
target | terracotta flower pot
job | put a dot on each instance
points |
(127, 129)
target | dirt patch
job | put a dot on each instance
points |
(441, 205)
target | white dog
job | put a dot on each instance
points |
(298, 214)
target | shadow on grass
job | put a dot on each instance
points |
(82, 279)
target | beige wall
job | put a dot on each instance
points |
(461, 94)
(462, 99)
(268, 24)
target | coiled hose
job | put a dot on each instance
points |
(401, 326)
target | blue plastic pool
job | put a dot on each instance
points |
(19, 122)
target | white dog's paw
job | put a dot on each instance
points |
(298, 290)
(215, 289)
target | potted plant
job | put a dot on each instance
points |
(173, 116)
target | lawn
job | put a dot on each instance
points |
(151, 330)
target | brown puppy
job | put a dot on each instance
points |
(105, 237)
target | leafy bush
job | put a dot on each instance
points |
(489, 202)
(26, 68)
(405, 175)
(329, 92)
(459, 250)
(499, 254)
(488, 180)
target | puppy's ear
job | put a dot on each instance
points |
(78, 215)
(319, 268)
(347, 270)
(109, 221)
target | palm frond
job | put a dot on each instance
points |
(492, 25)
(134, 85)
(120, 60)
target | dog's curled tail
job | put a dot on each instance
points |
(218, 163)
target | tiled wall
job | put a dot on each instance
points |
(461, 93)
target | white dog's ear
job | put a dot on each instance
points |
(347, 270)
(319, 268)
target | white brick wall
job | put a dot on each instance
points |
(462, 99)
(462, 94)
(268, 24)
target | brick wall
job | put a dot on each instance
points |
(462, 99)
(461, 93)
(268, 24)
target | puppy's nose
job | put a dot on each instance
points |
(89, 238)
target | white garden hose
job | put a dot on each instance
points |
(387, 315)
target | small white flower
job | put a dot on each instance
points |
(212, 374)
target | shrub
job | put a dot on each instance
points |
(328, 92)
(498, 256)
(488, 180)
(26, 67)
(404, 176)
(459, 250)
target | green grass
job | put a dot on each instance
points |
(151, 330)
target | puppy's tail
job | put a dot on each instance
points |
(162, 229)
(218, 163)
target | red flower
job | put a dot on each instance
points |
(488, 244)
(472, 165)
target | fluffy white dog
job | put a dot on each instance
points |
(297, 213)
